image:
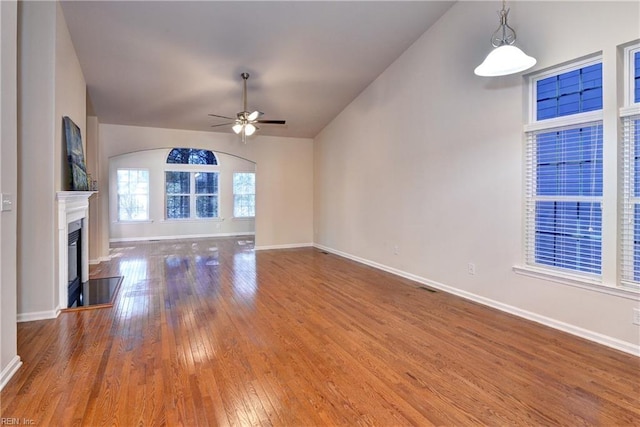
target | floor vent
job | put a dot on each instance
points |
(433, 291)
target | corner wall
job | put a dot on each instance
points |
(9, 359)
(50, 86)
(422, 173)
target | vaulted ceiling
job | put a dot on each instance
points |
(169, 64)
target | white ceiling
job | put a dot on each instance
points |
(169, 64)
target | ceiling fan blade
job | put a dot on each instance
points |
(272, 122)
(222, 124)
(223, 117)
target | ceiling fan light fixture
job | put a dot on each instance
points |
(243, 123)
(505, 58)
(249, 129)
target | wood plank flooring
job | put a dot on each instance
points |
(208, 332)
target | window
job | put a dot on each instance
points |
(564, 158)
(193, 191)
(630, 224)
(244, 194)
(191, 194)
(191, 156)
(133, 194)
(635, 73)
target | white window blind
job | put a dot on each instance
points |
(564, 198)
(630, 227)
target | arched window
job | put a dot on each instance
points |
(192, 156)
(191, 193)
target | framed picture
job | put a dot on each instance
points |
(75, 155)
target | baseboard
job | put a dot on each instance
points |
(180, 236)
(287, 246)
(9, 370)
(37, 315)
(99, 260)
(606, 340)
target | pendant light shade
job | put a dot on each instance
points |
(505, 58)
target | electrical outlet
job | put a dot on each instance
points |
(636, 316)
(7, 202)
(471, 268)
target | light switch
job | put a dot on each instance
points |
(7, 202)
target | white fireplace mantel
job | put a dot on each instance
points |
(72, 206)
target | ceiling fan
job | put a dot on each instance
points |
(244, 124)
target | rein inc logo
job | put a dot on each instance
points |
(17, 421)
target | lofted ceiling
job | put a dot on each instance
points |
(170, 63)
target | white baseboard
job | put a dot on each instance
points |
(287, 246)
(9, 370)
(180, 236)
(37, 315)
(99, 260)
(606, 340)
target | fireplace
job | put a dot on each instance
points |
(73, 246)
(75, 267)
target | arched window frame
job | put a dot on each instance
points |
(192, 187)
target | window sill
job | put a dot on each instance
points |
(243, 218)
(197, 220)
(582, 282)
(142, 221)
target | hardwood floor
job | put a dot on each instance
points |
(207, 332)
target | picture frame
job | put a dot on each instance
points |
(75, 156)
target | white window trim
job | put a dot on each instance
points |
(195, 220)
(629, 52)
(578, 281)
(233, 194)
(558, 275)
(192, 170)
(134, 221)
(627, 112)
(533, 89)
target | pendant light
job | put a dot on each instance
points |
(505, 58)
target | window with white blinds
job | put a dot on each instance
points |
(564, 196)
(630, 143)
(564, 171)
(630, 227)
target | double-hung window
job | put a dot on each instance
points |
(244, 195)
(564, 170)
(133, 194)
(191, 192)
(630, 145)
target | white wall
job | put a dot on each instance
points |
(158, 227)
(95, 214)
(284, 175)
(9, 359)
(429, 159)
(51, 86)
(70, 97)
